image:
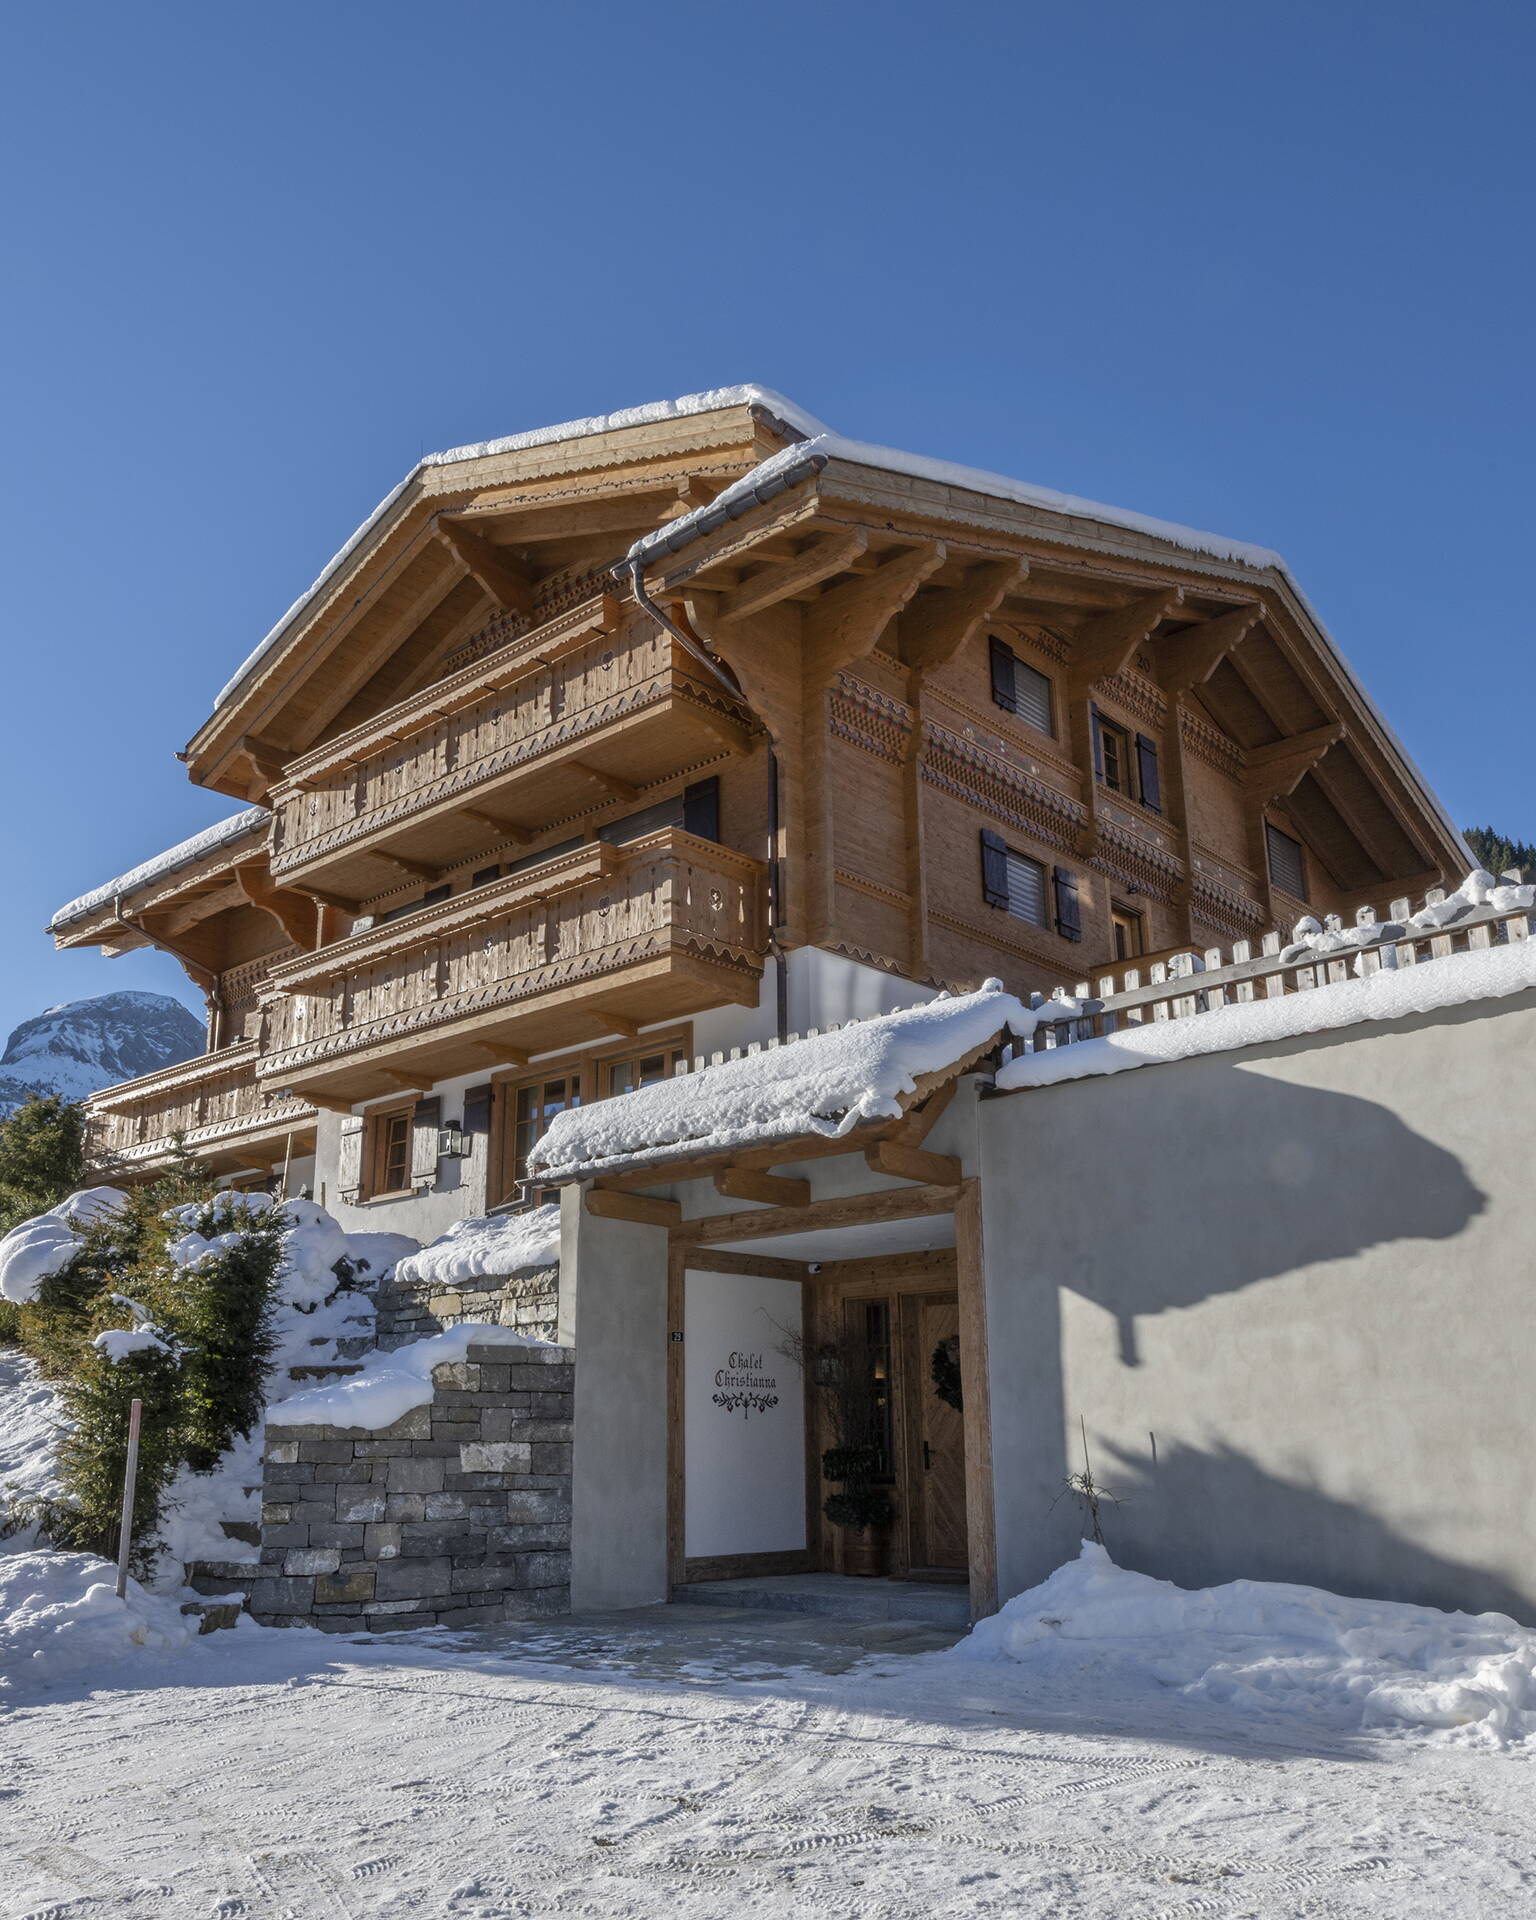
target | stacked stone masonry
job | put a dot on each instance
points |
(415, 1309)
(458, 1514)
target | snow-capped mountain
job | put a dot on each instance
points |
(85, 1044)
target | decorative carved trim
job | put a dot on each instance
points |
(957, 766)
(868, 718)
(1136, 863)
(889, 895)
(1046, 640)
(1137, 695)
(1002, 938)
(1208, 743)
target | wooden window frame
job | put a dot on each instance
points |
(1003, 664)
(1118, 912)
(589, 1067)
(1304, 893)
(376, 1150)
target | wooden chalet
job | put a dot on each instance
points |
(536, 824)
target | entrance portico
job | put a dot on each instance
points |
(701, 1419)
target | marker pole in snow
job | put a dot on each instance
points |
(130, 1475)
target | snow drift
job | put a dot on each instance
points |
(391, 1384)
(60, 1612)
(1270, 1651)
(495, 1244)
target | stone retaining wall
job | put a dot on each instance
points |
(458, 1514)
(412, 1310)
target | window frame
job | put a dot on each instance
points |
(1120, 914)
(1271, 834)
(999, 650)
(376, 1153)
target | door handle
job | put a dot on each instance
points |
(927, 1457)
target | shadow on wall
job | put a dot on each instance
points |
(1202, 1517)
(1270, 1178)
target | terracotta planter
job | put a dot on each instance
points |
(864, 1552)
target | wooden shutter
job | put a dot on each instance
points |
(477, 1108)
(994, 869)
(1098, 742)
(349, 1158)
(424, 1124)
(1146, 773)
(1004, 690)
(1069, 922)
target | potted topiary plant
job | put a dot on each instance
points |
(863, 1509)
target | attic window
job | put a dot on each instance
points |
(1287, 863)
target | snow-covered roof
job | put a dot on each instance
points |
(825, 1084)
(221, 834)
(832, 445)
(715, 400)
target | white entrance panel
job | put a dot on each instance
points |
(744, 1417)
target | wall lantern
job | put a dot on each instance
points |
(452, 1142)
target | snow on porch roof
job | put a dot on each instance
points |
(714, 400)
(220, 834)
(821, 1086)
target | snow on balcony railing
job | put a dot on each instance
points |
(1481, 914)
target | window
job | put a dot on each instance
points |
(389, 1167)
(641, 1069)
(526, 1111)
(1016, 884)
(1287, 863)
(429, 899)
(544, 853)
(1018, 688)
(1127, 932)
(696, 810)
(1125, 763)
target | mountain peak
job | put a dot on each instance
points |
(81, 1045)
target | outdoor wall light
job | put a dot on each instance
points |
(452, 1142)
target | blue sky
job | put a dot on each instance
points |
(1263, 269)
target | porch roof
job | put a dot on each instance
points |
(820, 1088)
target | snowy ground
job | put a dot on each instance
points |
(694, 1763)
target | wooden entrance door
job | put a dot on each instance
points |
(936, 1439)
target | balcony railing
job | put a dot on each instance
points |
(603, 939)
(594, 705)
(214, 1102)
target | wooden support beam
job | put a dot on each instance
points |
(777, 1190)
(643, 1208)
(919, 1123)
(417, 867)
(492, 567)
(1186, 659)
(849, 1210)
(783, 578)
(610, 783)
(501, 1056)
(520, 836)
(846, 622)
(298, 914)
(406, 1082)
(913, 1163)
(267, 761)
(937, 624)
(1106, 644)
(1274, 771)
(692, 493)
(613, 1023)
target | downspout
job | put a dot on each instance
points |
(718, 669)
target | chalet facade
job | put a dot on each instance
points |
(602, 751)
(514, 836)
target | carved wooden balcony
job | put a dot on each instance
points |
(592, 706)
(214, 1102)
(598, 941)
